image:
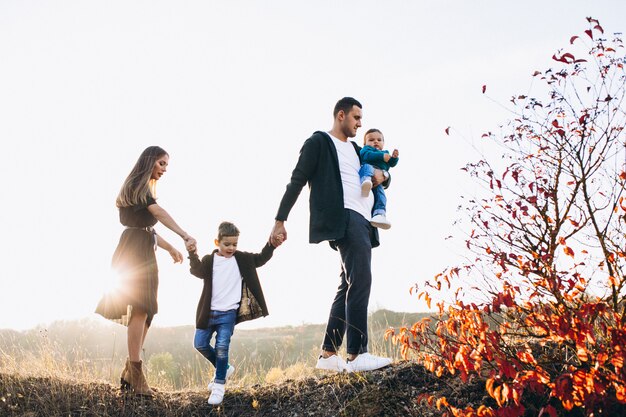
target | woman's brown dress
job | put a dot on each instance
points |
(134, 261)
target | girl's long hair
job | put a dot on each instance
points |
(139, 185)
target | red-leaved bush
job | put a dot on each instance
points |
(546, 251)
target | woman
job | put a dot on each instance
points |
(134, 303)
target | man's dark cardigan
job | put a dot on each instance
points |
(319, 167)
(252, 303)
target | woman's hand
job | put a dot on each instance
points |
(190, 243)
(176, 255)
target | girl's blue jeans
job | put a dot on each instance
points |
(222, 323)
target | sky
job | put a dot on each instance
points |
(232, 89)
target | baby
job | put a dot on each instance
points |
(373, 156)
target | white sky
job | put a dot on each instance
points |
(231, 89)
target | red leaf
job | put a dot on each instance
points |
(572, 39)
(566, 58)
(599, 28)
(555, 123)
(484, 89)
(588, 32)
(551, 411)
(568, 251)
(536, 73)
(447, 130)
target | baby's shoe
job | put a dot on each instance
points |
(217, 394)
(380, 221)
(366, 187)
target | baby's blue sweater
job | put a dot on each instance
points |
(372, 156)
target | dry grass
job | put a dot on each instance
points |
(46, 380)
(48, 359)
(70, 372)
(388, 392)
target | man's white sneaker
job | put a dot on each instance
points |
(229, 371)
(332, 363)
(217, 394)
(366, 187)
(380, 221)
(367, 362)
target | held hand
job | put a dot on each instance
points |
(386, 157)
(176, 256)
(279, 234)
(190, 243)
(378, 177)
(279, 240)
(395, 153)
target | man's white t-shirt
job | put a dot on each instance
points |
(349, 166)
(226, 294)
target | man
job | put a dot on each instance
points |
(329, 163)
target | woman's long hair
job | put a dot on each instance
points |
(139, 184)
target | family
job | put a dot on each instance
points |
(347, 206)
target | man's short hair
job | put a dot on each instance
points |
(346, 104)
(226, 229)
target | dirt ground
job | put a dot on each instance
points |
(388, 392)
(392, 391)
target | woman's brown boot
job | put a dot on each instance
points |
(137, 379)
(124, 377)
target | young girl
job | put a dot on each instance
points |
(134, 303)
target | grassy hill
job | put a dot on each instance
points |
(71, 369)
(388, 392)
(96, 350)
